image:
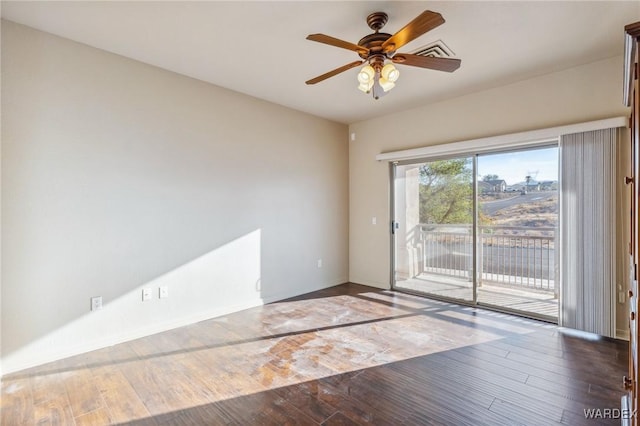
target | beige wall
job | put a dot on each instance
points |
(584, 93)
(117, 175)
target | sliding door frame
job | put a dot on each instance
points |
(394, 222)
(545, 143)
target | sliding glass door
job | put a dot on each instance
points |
(517, 223)
(434, 228)
(479, 229)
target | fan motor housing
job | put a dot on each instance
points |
(373, 42)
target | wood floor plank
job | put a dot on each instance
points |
(417, 394)
(504, 389)
(54, 411)
(84, 396)
(122, 401)
(367, 412)
(513, 411)
(339, 419)
(17, 403)
(201, 415)
(349, 354)
(500, 370)
(553, 376)
(308, 397)
(162, 386)
(571, 390)
(224, 382)
(575, 370)
(278, 411)
(97, 417)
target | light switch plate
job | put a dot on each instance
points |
(147, 294)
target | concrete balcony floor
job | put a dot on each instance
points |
(528, 301)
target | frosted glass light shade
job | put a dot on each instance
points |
(386, 84)
(365, 76)
(366, 87)
(390, 73)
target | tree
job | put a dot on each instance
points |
(487, 178)
(446, 193)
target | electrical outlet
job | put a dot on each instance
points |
(147, 294)
(374, 220)
(163, 292)
(96, 303)
(319, 263)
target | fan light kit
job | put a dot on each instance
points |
(378, 50)
(372, 79)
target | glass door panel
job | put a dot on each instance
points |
(434, 228)
(517, 223)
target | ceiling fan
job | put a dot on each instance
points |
(378, 50)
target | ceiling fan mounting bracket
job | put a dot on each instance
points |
(377, 20)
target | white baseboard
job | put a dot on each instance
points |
(287, 295)
(382, 286)
(24, 363)
(622, 334)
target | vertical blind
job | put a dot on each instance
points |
(588, 231)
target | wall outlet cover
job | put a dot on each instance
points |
(96, 303)
(163, 292)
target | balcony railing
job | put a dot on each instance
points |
(522, 257)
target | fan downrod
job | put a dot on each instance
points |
(377, 20)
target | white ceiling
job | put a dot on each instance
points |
(259, 48)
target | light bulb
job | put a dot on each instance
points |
(390, 73)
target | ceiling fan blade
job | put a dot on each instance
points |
(426, 21)
(332, 41)
(334, 72)
(440, 64)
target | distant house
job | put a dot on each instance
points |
(498, 185)
(533, 186)
(549, 185)
(483, 187)
(524, 186)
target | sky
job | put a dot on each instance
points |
(514, 166)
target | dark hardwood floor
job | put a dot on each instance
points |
(347, 355)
